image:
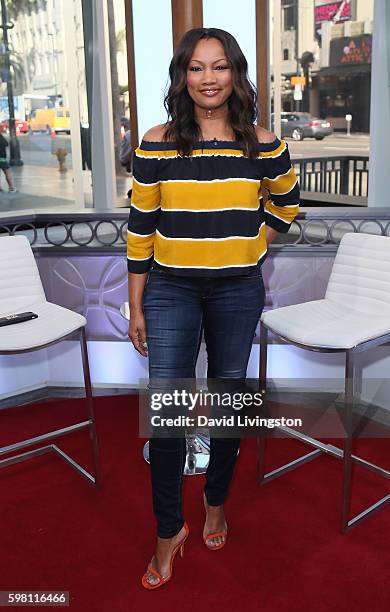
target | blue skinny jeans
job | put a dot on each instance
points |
(177, 309)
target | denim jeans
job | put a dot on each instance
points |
(177, 309)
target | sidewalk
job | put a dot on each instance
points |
(363, 135)
(44, 187)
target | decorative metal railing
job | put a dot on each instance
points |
(346, 175)
(108, 231)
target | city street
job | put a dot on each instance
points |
(336, 144)
(36, 149)
(40, 185)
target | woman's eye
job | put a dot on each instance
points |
(222, 67)
(194, 68)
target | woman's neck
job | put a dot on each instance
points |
(214, 123)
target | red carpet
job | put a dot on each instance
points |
(284, 550)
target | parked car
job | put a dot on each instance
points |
(48, 119)
(303, 125)
(20, 125)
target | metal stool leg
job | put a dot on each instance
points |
(260, 440)
(263, 354)
(198, 454)
(260, 443)
(347, 454)
(51, 435)
(90, 403)
(198, 447)
(352, 389)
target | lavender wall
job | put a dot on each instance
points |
(96, 286)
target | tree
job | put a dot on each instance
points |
(15, 7)
(16, 66)
(120, 41)
(116, 104)
(15, 159)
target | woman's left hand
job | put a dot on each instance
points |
(270, 234)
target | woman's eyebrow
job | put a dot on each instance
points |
(221, 59)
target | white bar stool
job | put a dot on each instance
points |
(21, 290)
(353, 317)
(198, 446)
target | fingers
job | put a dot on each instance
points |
(138, 338)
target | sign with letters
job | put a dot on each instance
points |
(336, 12)
(350, 50)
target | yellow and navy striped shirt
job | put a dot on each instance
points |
(203, 214)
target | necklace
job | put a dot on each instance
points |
(209, 114)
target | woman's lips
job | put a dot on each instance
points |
(210, 92)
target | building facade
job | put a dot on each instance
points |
(339, 37)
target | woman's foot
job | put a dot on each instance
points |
(161, 560)
(215, 523)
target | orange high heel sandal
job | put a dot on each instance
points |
(210, 536)
(151, 569)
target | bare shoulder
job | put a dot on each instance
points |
(156, 133)
(264, 135)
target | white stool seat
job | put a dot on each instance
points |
(356, 306)
(325, 324)
(53, 322)
(21, 290)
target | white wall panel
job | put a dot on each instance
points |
(117, 364)
(378, 190)
(113, 364)
(23, 372)
(153, 50)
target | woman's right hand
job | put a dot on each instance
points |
(137, 332)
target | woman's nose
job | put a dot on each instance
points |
(209, 75)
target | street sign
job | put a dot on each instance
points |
(348, 119)
(5, 75)
(298, 80)
(297, 92)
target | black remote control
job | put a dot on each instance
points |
(17, 318)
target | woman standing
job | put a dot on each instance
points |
(4, 165)
(197, 237)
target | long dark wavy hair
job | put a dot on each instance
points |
(183, 128)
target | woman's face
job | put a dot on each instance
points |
(209, 74)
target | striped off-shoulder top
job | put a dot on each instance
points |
(203, 214)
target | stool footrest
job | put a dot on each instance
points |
(45, 449)
(287, 467)
(44, 437)
(76, 466)
(330, 449)
(365, 513)
(334, 451)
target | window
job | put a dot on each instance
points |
(285, 54)
(43, 98)
(288, 14)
